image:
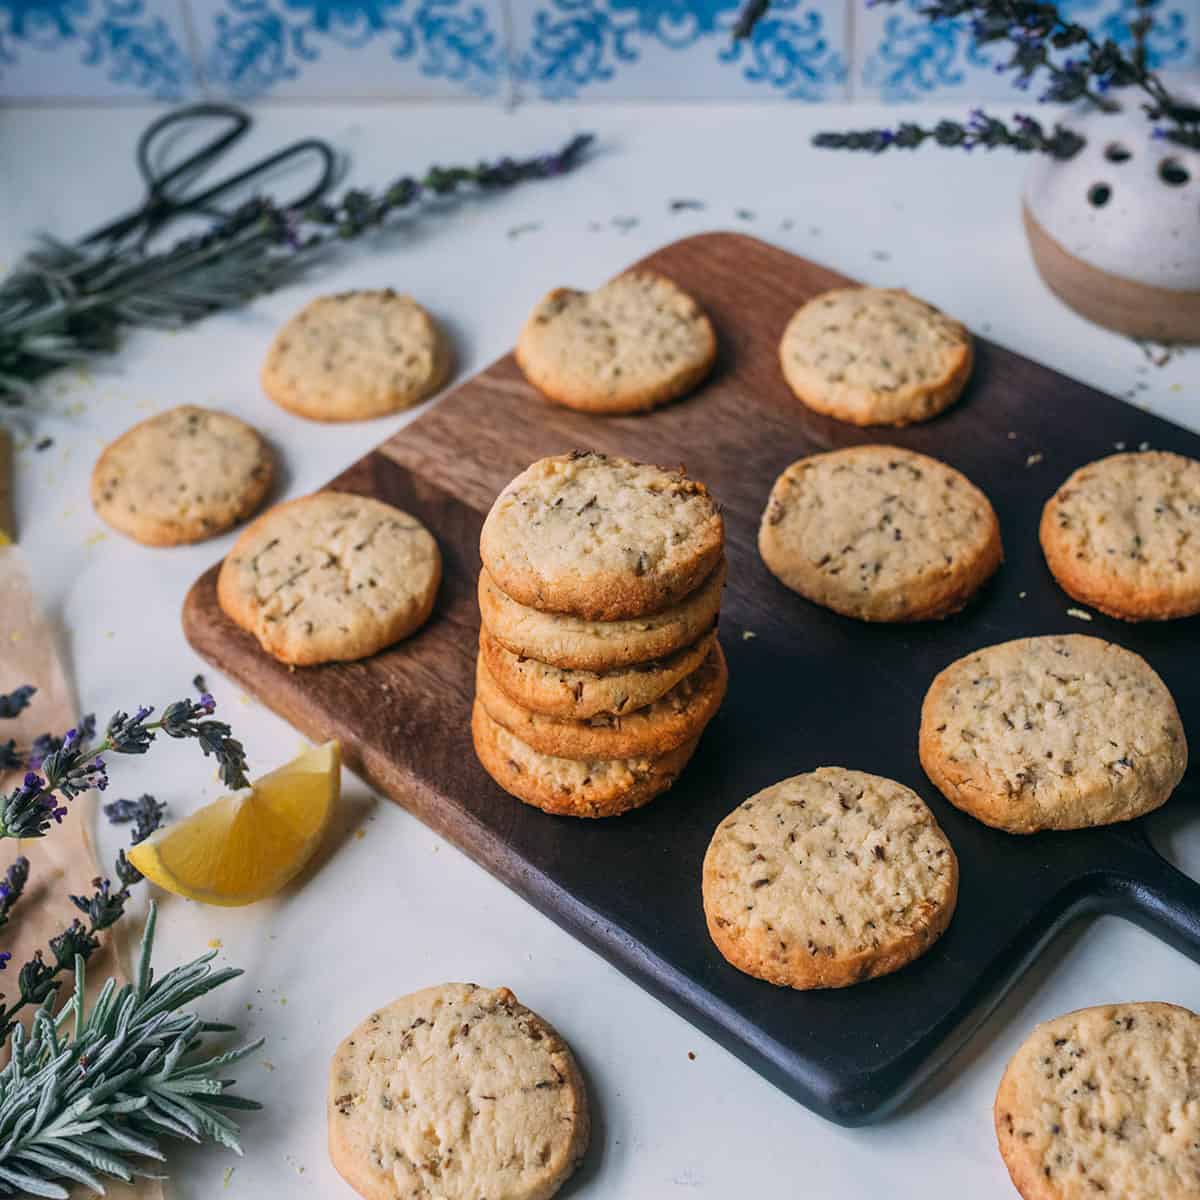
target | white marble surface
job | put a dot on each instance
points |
(390, 907)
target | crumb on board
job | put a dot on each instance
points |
(1118, 445)
(1143, 446)
(1079, 614)
(747, 634)
(1012, 437)
(1032, 460)
(1022, 595)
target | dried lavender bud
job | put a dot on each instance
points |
(48, 743)
(12, 885)
(74, 940)
(145, 812)
(36, 980)
(10, 758)
(179, 720)
(16, 701)
(104, 906)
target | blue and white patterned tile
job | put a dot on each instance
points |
(86, 49)
(352, 48)
(677, 49)
(901, 55)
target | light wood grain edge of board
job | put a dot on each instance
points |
(8, 531)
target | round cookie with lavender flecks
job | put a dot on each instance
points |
(581, 695)
(330, 577)
(880, 533)
(182, 476)
(1052, 733)
(1102, 1102)
(1123, 535)
(571, 787)
(574, 643)
(458, 1092)
(827, 879)
(678, 717)
(630, 345)
(601, 538)
(356, 355)
(875, 356)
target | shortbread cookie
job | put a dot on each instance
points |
(1123, 535)
(827, 879)
(1103, 1102)
(874, 356)
(570, 787)
(573, 643)
(356, 355)
(880, 533)
(456, 1092)
(582, 695)
(634, 343)
(678, 717)
(1052, 733)
(601, 538)
(182, 476)
(330, 577)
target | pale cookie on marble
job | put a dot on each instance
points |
(572, 787)
(678, 717)
(573, 643)
(637, 342)
(880, 533)
(457, 1092)
(582, 695)
(356, 355)
(1052, 733)
(1103, 1102)
(829, 878)
(330, 577)
(1123, 535)
(875, 356)
(601, 538)
(182, 476)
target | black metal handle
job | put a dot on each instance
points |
(1149, 891)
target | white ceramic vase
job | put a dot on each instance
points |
(1115, 230)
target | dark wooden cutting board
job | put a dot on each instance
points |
(808, 688)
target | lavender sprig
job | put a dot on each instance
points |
(64, 303)
(1075, 64)
(103, 907)
(75, 765)
(1025, 135)
(16, 702)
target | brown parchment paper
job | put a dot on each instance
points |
(65, 861)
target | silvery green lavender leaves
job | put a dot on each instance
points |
(65, 303)
(89, 1094)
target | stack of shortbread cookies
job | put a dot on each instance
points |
(599, 665)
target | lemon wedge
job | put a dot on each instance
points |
(247, 845)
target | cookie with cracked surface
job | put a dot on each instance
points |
(880, 533)
(581, 695)
(182, 476)
(875, 356)
(829, 878)
(456, 1091)
(601, 538)
(637, 342)
(572, 643)
(1052, 733)
(1102, 1102)
(678, 717)
(330, 577)
(1123, 535)
(571, 787)
(356, 355)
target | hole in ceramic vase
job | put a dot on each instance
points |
(1099, 194)
(1117, 153)
(1172, 172)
